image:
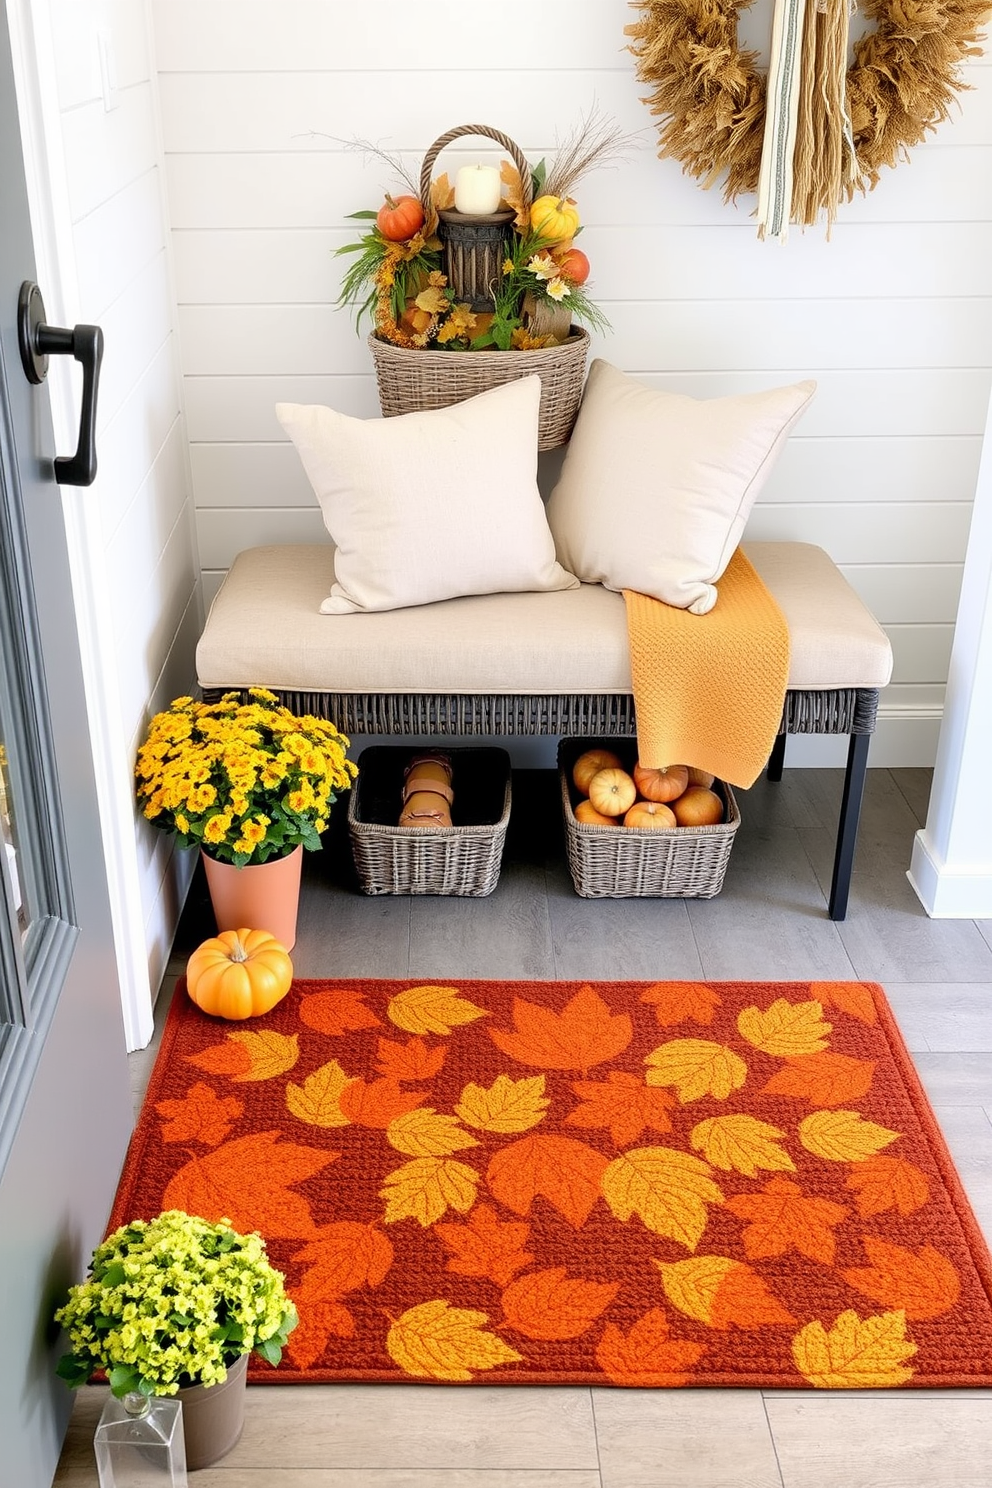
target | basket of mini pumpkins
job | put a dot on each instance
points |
(474, 283)
(634, 832)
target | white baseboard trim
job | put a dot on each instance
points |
(949, 894)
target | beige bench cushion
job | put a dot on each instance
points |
(265, 629)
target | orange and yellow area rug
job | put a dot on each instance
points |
(627, 1183)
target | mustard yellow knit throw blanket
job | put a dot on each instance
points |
(709, 689)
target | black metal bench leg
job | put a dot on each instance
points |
(847, 827)
(776, 760)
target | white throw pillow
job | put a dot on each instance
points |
(428, 506)
(656, 487)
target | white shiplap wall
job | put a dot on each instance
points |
(892, 315)
(142, 586)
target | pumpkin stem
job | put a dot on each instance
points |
(239, 951)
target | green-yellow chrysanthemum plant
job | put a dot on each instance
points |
(243, 781)
(173, 1302)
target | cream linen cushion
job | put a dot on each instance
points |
(656, 487)
(428, 506)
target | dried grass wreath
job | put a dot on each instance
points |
(710, 95)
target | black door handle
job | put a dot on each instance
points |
(38, 342)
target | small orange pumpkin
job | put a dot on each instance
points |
(650, 815)
(239, 974)
(700, 777)
(586, 812)
(612, 791)
(698, 807)
(587, 764)
(661, 784)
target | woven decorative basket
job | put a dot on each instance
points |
(463, 859)
(631, 862)
(410, 379)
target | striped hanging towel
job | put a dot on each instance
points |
(781, 111)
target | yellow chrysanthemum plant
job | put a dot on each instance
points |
(243, 781)
(172, 1302)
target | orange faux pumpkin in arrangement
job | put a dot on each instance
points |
(399, 218)
(239, 974)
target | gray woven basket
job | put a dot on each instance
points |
(463, 859)
(630, 862)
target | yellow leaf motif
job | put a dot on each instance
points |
(316, 1100)
(668, 1189)
(741, 1144)
(426, 1188)
(787, 1028)
(431, 1009)
(271, 1053)
(423, 1133)
(843, 1136)
(507, 1106)
(855, 1354)
(696, 1067)
(437, 1341)
(691, 1285)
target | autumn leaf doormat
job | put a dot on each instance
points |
(628, 1183)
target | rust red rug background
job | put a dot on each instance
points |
(632, 1183)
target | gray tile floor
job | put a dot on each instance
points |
(769, 922)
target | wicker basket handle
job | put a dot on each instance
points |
(453, 134)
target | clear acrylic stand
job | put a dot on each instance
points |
(139, 1443)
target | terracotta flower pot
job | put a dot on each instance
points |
(262, 896)
(214, 1415)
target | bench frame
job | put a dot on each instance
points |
(851, 711)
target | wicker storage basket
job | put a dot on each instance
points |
(410, 380)
(462, 859)
(628, 862)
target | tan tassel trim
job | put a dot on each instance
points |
(823, 166)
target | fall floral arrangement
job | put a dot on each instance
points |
(172, 1302)
(398, 277)
(243, 781)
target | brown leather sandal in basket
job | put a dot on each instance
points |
(427, 793)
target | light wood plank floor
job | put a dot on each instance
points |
(769, 922)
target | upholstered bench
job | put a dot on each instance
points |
(549, 663)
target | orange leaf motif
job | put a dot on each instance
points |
(251, 1056)
(647, 1355)
(318, 1100)
(564, 1172)
(437, 1341)
(411, 1061)
(377, 1104)
(721, 1293)
(432, 1009)
(214, 1186)
(201, 1116)
(843, 1136)
(741, 1144)
(855, 1354)
(624, 1105)
(320, 1318)
(922, 1283)
(783, 1218)
(677, 1002)
(888, 1183)
(696, 1067)
(584, 1033)
(853, 998)
(485, 1246)
(423, 1133)
(667, 1189)
(507, 1106)
(546, 1304)
(425, 1188)
(336, 1011)
(824, 1079)
(344, 1256)
(786, 1028)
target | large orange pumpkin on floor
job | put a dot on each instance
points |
(588, 763)
(612, 791)
(239, 974)
(698, 807)
(661, 784)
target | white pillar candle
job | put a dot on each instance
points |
(477, 190)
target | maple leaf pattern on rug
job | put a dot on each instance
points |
(628, 1183)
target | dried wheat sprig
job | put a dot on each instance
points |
(593, 143)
